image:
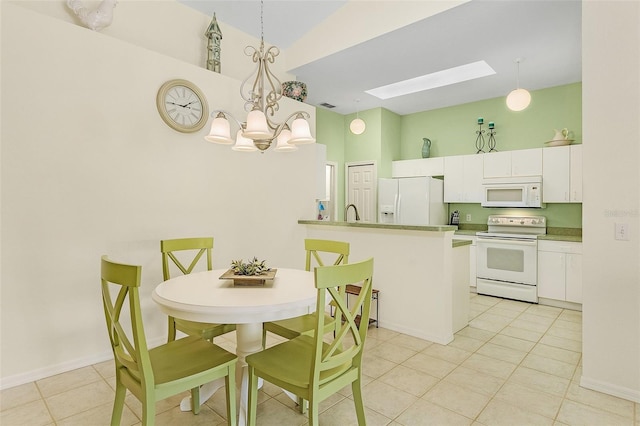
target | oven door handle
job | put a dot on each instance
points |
(510, 241)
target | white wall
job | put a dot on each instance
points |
(89, 168)
(611, 107)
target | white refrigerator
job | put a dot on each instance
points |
(411, 201)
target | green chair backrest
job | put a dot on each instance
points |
(340, 355)
(132, 355)
(169, 247)
(315, 247)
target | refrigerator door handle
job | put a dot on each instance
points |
(398, 209)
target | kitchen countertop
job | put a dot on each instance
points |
(431, 228)
(459, 243)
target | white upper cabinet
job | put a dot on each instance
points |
(418, 167)
(463, 179)
(524, 162)
(562, 174)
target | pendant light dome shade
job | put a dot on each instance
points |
(357, 126)
(518, 99)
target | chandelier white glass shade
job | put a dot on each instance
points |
(518, 99)
(261, 101)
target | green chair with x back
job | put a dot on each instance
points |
(198, 247)
(314, 367)
(318, 253)
(169, 369)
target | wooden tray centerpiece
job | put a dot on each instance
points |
(253, 273)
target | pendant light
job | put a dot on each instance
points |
(519, 98)
(357, 125)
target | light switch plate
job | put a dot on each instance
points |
(622, 231)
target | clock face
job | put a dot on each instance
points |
(182, 106)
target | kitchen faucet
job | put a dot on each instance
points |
(346, 210)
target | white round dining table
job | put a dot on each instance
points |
(204, 297)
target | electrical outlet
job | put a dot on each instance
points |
(468, 217)
(622, 231)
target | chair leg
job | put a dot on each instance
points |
(230, 383)
(252, 409)
(195, 400)
(118, 403)
(313, 413)
(302, 405)
(172, 330)
(356, 388)
(148, 411)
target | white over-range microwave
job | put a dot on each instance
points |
(512, 192)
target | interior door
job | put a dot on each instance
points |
(361, 191)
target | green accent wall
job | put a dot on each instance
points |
(389, 137)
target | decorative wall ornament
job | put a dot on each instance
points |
(426, 148)
(295, 90)
(480, 137)
(97, 19)
(492, 137)
(214, 36)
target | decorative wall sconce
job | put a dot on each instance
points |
(492, 137)
(480, 136)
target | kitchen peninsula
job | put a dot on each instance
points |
(421, 273)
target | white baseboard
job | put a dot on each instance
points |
(52, 370)
(440, 339)
(611, 389)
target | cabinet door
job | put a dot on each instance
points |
(555, 174)
(453, 179)
(497, 164)
(574, 277)
(473, 166)
(575, 174)
(551, 275)
(526, 162)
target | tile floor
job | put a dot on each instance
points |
(515, 364)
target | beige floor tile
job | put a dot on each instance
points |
(528, 316)
(558, 354)
(374, 366)
(551, 366)
(513, 305)
(271, 412)
(466, 343)
(385, 399)
(347, 390)
(34, 413)
(381, 333)
(521, 333)
(499, 413)
(98, 416)
(484, 300)
(490, 322)
(569, 315)
(577, 376)
(344, 413)
(476, 311)
(503, 353)
(505, 312)
(543, 310)
(600, 400)
(570, 325)
(540, 381)
(476, 333)
(80, 399)
(415, 382)
(565, 333)
(574, 413)
(410, 342)
(106, 369)
(488, 365)
(425, 413)
(529, 399)
(512, 342)
(447, 353)
(392, 352)
(430, 365)
(161, 406)
(449, 395)
(175, 416)
(67, 381)
(560, 342)
(18, 395)
(475, 380)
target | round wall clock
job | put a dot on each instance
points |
(182, 105)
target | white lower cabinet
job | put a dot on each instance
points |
(560, 271)
(472, 257)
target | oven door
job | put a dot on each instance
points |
(507, 259)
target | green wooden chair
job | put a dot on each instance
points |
(164, 371)
(317, 253)
(316, 367)
(204, 246)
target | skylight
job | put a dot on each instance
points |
(431, 81)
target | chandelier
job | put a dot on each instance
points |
(261, 102)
